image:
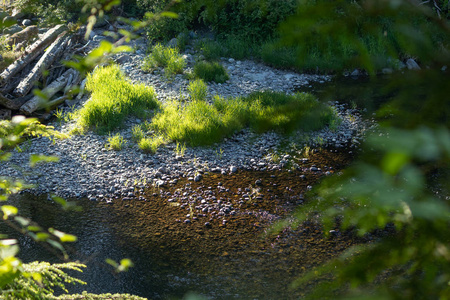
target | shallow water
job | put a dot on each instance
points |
(224, 260)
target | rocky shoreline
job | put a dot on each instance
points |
(87, 169)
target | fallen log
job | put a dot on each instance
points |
(37, 102)
(31, 53)
(22, 36)
(5, 114)
(52, 53)
(14, 104)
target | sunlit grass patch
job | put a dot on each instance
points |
(195, 123)
(151, 144)
(116, 142)
(198, 90)
(166, 57)
(200, 123)
(113, 99)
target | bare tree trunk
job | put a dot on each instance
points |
(31, 53)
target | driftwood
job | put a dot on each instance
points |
(52, 53)
(37, 102)
(31, 53)
(14, 104)
(5, 114)
(20, 37)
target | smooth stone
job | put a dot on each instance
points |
(412, 65)
(27, 22)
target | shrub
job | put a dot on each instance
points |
(163, 29)
(254, 21)
(210, 71)
(113, 99)
(198, 90)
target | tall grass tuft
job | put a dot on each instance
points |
(116, 142)
(210, 71)
(198, 90)
(165, 57)
(113, 99)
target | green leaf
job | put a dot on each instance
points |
(34, 228)
(64, 237)
(393, 161)
(42, 236)
(9, 210)
(56, 245)
(169, 14)
(22, 221)
(125, 264)
(112, 263)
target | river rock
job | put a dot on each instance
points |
(412, 65)
(26, 22)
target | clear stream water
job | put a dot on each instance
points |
(222, 261)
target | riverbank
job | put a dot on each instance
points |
(87, 169)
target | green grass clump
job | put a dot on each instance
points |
(210, 71)
(278, 56)
(211, 50)
(200, 123)
(113, 99)
(166, 57)
(195, 123)
(151, 144)
(278, 111)
(116, 142)
(198, 90)
(137, 133)
(175, 65)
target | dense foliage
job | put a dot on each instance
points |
(397, 192)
